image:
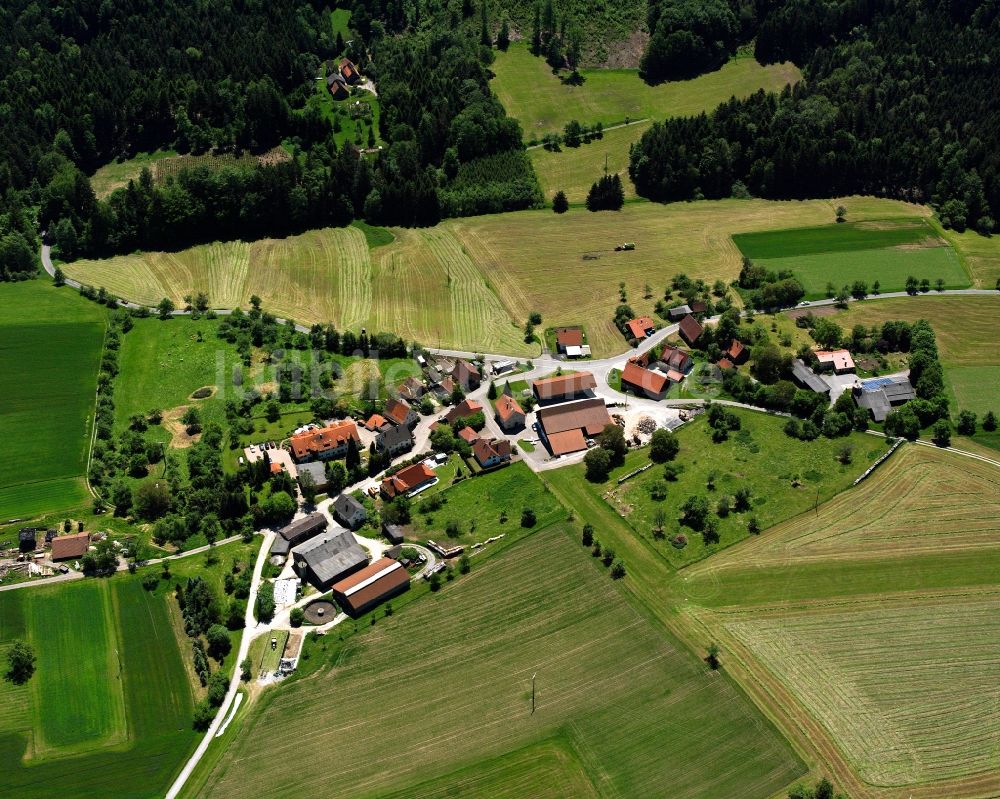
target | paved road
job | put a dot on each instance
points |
(252, 631)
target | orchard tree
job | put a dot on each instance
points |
(20, 662)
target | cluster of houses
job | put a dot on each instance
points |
(335, 561)
(879, 395)
(651, 377)
(340, 77)
(569, 415)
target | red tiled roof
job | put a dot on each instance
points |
(690, 328)
(635, 375)
(674, 376)
(569, 337)
(313, 442)
(484, 450)
(396, 410)
(276, 468)
(70, 546)
(735, 349)
(725, 363)
(407, 479)
(506, 407)
(375, 422)
(468, 434)
(840, 359)
(464, 372)
(382, 578)
(640, 325)
(463, 410)
(563, 385)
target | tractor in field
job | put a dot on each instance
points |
(628, 245)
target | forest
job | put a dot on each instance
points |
(899, 100)
(88, 82)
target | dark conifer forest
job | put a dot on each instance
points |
(901, 98)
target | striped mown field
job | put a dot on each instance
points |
(873, 625)
(471, 283)
(613, 696)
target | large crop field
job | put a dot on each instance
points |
(618, 707)
(108, 710)
(889, 251)
(965, 328)
(471, 283)
(50, 348)
(872, 625)
(542, 103)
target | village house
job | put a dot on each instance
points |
(337, 86)
(400, 413)
(690, 329)
(737, 352)
(394, 440)
(412, 389)
(377, 422)
(349, 512)
(468, 435)
(569, 341)
(510, 415)
(368, 588)
(463, 410)
(644, 382)
(326, 442)
(839, 362)
(641, 327)
(492, 452)
(563, 387)
(407, 481)
(466, 375)
(349, 71)
(675, 359)
(565, 428)
(678, 312)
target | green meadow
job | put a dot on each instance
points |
(840, 254)
(50, 348)
(108, 710)
(542, 103)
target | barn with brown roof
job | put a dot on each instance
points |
(466, 375)
(399, 412)
(690, 329)
(644, 381)
(65, 547)
(737, 352)
(349, 71)
(565, 428)
(563, 387)
(371, 586)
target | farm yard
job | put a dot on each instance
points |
(889, 251)
(109, 703)
(964, 328)
(606, 680)
(50, 348)
(542, 103)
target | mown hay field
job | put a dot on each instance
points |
(624, 704)
(471, 283)
(542, 103)
(907, 689)
(108, 710)
(50, 348)
(873, 624)
(574, 169)
(965, 329)
(564, 265)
